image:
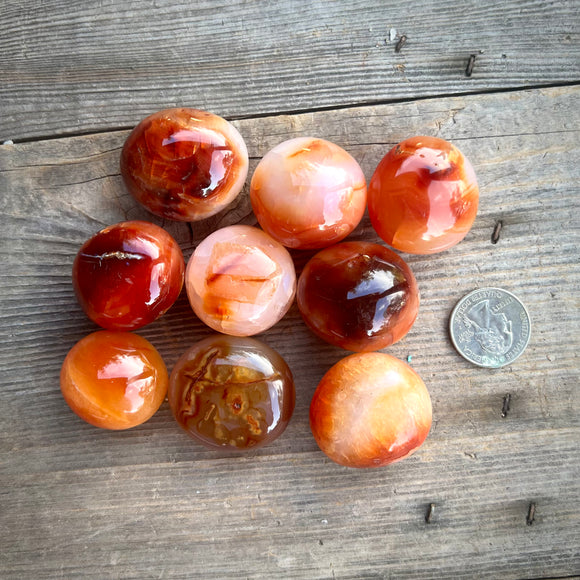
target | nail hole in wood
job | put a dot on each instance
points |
(430, 512)
(505, 409)
(401, 43)
(470, 65)
(531, 514)
(496, 232)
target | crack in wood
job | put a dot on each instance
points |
(325, 108)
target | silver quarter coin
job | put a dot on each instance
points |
(490, 327)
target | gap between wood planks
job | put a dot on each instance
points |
(370, 103)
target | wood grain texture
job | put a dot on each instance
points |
(69, 68)
(150, 503)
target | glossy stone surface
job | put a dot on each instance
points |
(358, 296)
(308, 193)
(184, 164)
(128, 274)
(370, 410)
(114, 380)
(423, 196)
(233, 393)
(240, 281)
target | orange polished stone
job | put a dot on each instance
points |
(308, 193)
(423, 196)
(358, 296)
(370, 410)
(184, 164)
(232, 393)
(114, 380)
(128, 275)
(240, 281)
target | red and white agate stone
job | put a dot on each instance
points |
(240, 281)
(308, 193)
(423, 196)
(369, 410)
(184, 164)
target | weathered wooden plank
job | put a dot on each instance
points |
(236, 519)
(149, 503)
(86, 66)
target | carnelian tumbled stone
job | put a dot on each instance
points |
(308, 193)
(184, 164)
(358, 296)
(423, 196)
(127, 275)
(240, 281)
(230, 392)
(370, 410)
(114, 380)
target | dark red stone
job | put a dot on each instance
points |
(127, 275)
(358, 296)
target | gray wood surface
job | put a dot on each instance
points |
(150, 503)
(77, 67)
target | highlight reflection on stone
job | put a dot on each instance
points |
(370, 410)
(184, 164)
(308, 193)
(423, 196)
(358, 296)
(114, 380)
(240, 281)
(230, 392)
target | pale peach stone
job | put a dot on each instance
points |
(308, 193)
(240, 281)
